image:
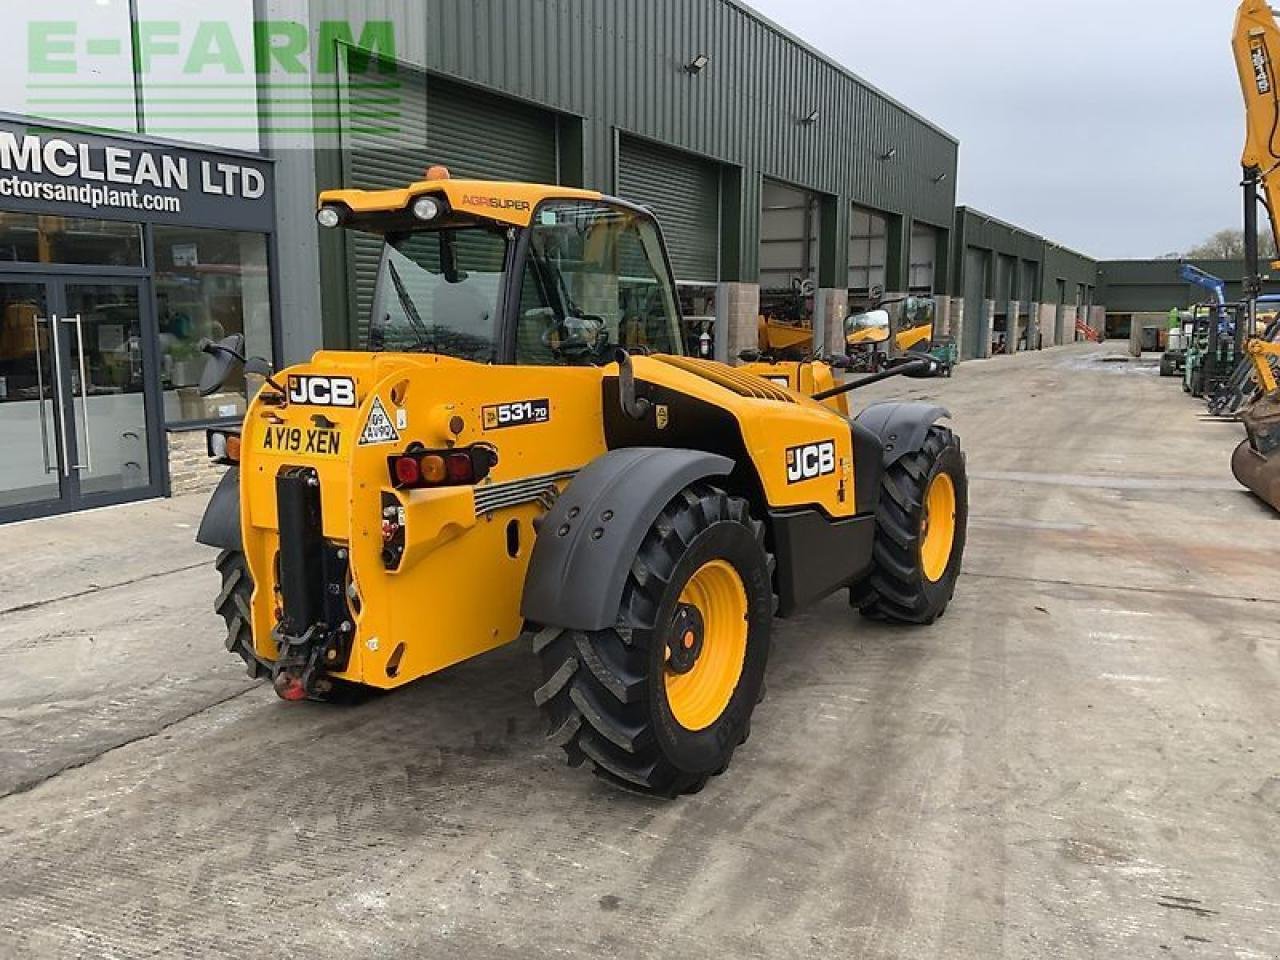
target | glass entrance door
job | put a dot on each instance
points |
(31, 473)
(76, 420)
(102, 323)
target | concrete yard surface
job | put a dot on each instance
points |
(1079, 760)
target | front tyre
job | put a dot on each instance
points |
(920, 534)
(659, 702)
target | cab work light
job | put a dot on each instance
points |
(426, 208)
(416, 469)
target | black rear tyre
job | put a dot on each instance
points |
(233, 606)
(914, 573)
(659, 702)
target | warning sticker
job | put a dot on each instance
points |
(378, 428)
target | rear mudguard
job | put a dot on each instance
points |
(901, 426)
(586, 544)
(220, 526)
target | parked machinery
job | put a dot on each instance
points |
(1256, 40)
(527, 450)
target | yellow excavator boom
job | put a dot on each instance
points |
(1256, 43)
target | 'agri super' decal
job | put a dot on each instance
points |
(517, 414)
(811, 461)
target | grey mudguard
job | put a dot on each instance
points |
(586, 544)
(221, 524)
(901, 426)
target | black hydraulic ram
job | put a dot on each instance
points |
(301, 548)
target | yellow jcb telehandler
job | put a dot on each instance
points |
(524, 451)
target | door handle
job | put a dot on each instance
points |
(58, 380)
(44, 423)
(84, 395)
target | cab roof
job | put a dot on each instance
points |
(504, 201)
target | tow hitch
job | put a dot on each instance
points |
(313, 632)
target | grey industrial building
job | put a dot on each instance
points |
(774, 170)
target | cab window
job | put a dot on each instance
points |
(595, 279)
(438, 292)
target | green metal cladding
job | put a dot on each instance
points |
(618, 67)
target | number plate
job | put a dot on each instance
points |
(301, 441)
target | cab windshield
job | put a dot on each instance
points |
(593, 278)
(437, 292)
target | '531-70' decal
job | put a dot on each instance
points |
(518, 414)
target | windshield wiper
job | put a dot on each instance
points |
(410, 308)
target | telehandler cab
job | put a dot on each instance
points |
(524, 451)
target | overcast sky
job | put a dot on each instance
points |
(1111, 126)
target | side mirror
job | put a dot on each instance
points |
(867, 328)
(259, 367)
(223, 356)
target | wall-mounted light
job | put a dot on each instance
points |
(813, 116)
(697, 64)
(940, 178)
(889, 154)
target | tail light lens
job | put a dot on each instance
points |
(415, 469)
(223, 447)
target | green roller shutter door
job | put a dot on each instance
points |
(975, 318)
(473, 133)
(683, 192)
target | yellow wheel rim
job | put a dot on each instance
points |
(938, 527)
(699, 697)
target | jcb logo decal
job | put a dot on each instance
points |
(811, 461)
(322, 391)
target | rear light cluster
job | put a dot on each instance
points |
(416, 469)
(223, 446)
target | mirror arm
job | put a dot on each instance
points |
(637, 408)
(915, 366)
(210, 347)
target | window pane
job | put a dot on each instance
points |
(70, 60)
(596, 279)
(209, 283)
(194, 49)
(34, 238)
(437, 292)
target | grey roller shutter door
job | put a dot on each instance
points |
(684, 194)
(473, 133)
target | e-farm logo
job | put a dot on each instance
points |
(194, 76)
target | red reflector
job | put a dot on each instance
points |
(289, 687)
(459, 468)
(407, 471)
